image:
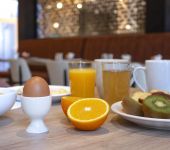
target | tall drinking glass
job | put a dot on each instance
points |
(116, 81)
(82, 77)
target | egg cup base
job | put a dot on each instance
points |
(37, 126)
(36, 108)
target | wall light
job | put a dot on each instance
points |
(128, 27)
(79, 6)
(56, 25)
(59, 5)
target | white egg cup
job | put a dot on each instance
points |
(36, 108)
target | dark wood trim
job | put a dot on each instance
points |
(167, 16)
(155, 16)
(27, 19)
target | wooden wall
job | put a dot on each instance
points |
(140, 46)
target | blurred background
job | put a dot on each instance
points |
(43, 30)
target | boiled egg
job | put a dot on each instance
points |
(36, 87)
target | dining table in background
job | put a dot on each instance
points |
(116, 133)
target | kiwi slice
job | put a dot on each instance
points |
(156, 106)
(132, 106)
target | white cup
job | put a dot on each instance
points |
(155, 75)
(99, 78)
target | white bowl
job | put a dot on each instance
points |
(7, 99)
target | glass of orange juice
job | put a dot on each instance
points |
(116, 81)
(82, 78)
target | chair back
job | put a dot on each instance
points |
(57, 72)
(126, 57)
(58, 56)
(70, 55)
(20, 71)
(157, 57)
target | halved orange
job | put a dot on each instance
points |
(66, 101)
(88, 113)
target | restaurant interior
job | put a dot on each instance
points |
(41, 39)
(87, 29)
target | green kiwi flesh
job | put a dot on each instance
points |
(156, 106)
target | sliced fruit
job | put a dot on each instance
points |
(88, 113)
(66, 101)
(156, 106)
(132, 106)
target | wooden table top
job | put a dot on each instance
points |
(115, 134)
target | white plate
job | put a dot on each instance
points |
(56, 91)
(143, 121)
(59, 92)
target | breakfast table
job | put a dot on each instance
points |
(116, 133)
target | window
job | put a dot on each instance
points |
(8, 31)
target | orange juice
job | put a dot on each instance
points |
(116, 85)
(82, 82)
